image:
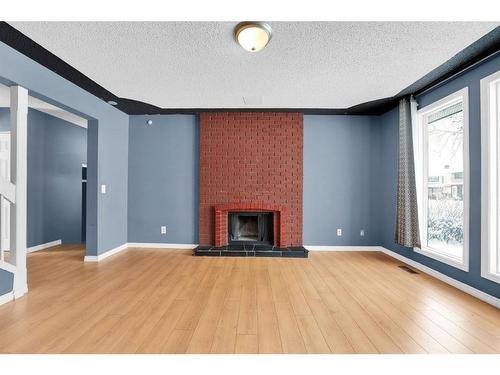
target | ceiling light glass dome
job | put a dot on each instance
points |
(253, 36)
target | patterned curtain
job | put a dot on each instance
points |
(407, 229)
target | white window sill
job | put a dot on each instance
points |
(491, 276)
(454, 262)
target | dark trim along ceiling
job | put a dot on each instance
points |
(485, 47)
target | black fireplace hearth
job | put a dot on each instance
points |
(251, 251)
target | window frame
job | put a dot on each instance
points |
(421, 166)
(486, 178)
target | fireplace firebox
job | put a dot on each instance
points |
(250, 228)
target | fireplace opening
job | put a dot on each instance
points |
(250, 227)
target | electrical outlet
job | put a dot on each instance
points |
(163, 229)
(339, 232)
(362, 232)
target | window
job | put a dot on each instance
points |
(442, 162)
(490, 177)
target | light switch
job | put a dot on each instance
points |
(103, 189)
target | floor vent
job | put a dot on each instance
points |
(408, 269)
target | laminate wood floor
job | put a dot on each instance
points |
(167, 301)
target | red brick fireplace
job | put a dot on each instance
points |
(251, 161)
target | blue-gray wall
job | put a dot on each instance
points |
(384, 192)
(4, 119)
(337, 180)
(6, 282)
(56, 151)
(163, 179)
(107, 152)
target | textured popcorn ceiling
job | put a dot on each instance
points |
(306, 65)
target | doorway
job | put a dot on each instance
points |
(56, 152)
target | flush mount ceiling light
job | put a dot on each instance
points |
(253, 36)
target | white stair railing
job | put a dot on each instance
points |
(7, 191)
(15, 191)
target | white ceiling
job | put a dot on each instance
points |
(306, 64)
(42, 106)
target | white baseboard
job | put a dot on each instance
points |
(342, 248)
(18, 293)
(43, 246)
(97, 258)
(153, 245)
(7, 297)
(448, 280)
(149, 245)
